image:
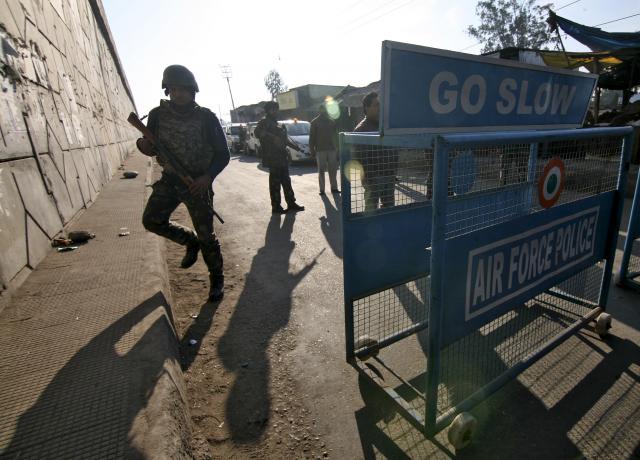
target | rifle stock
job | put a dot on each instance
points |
(137, 123)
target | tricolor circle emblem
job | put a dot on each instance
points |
(551, 183)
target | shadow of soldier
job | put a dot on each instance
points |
(91, 406)
(331, 225)
(263, 309)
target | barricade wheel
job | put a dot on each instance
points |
(461, 430)
(364, 341)
(603, 324)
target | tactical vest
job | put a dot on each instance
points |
(184, 135)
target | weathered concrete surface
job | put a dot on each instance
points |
(64, 100)
(88, 355)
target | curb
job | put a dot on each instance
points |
(163, 428)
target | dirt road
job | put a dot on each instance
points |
(267, 378)
(243, 386)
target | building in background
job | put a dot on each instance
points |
(350, 101)
(248, 113)
(303, 102)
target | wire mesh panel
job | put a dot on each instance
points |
(385, 177)
(526, 232)
(509, 177)
(391, 312)
(634, 261)
(477, 359)
(385, 257)
(508, 237)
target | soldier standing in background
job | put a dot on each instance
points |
(273, 141)
(194, 136)
(322, 143)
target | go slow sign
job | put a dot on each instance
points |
(431, 90)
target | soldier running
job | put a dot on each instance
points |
(195, 138)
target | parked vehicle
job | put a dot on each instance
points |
(236, 135)
(298, 132)
(253, 143)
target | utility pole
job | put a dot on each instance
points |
(226, 74)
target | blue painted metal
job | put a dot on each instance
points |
(527, 137)
(348, 273)
(418, 141)
(616, 216)
(438, 289)
(386, 247)
(502, 266)
(431, 90)
(625, 277)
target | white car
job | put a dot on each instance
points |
(298, 132)
(253, 143)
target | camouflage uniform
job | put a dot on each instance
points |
(276, 159)
(196, 139)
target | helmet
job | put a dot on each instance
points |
(178, 75)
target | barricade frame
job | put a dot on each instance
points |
(626, 277)
(430, 423)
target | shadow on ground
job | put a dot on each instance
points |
(263, 309)
(91, 404)
(581, 401)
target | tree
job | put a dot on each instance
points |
(507, 23)
(274, 83)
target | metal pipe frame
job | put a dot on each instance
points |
(431, 423)
(625, 278)
(483, 393)
(437, 300)
(614, 228)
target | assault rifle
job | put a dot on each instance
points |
(171, 164)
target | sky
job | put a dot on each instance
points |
(330, 42)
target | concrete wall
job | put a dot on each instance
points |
(63, 133)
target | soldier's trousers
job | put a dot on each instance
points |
(279, 177)
(164, 200)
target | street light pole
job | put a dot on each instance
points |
(226, 74)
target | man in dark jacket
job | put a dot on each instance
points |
(195, 138)
(379, 165)
(322, 144)
(273, 141)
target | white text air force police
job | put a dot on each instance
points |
(448, 93)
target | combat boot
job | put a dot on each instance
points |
(216, 289)
(191, 256)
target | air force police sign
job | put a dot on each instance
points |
(431, 90)
(496, 269)
(505, 268)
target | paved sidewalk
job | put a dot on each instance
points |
(88, 358)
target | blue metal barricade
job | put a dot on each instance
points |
(492, 247)
(629, 274)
